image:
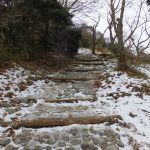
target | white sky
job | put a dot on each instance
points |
(131, 11)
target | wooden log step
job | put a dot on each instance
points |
(66, 100)
(89, 63)
(105, 55)
(88, 59)
(80, 70)
(52, 122)
(67, 79)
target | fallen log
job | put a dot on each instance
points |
(105, 55)
(67, 79)
(80, 70)
(89, 63)
(88, 59)
(52, 122)
(66, 100)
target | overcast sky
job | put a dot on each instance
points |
(131, 12)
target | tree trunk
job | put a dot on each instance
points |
(93, 40)
(122, 63)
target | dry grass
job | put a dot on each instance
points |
(51, 62)
(135, 73)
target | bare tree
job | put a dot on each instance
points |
(118, 28)
(78, 6)
(117, 8)
(141, 42)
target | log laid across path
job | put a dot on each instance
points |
(67, 100)
(89, 63)
(52, 122)
(88, 59)
(67, 79)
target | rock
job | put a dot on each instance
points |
(11, 147)
(4, 141)
(88, 146)
(101, 133)
(58, 148)
(65, 137)
(95, 140)
(61, 144)
(119, 143)
(51, 141)
(70, 148)
(92, 130)
(31, 97)
(19, 100)
(86, 137)
(32, 145)
(18, 108)
(46, 136)
(38, 148)
(5, 104)
(31, 100)
(73, 131)
(117, 136)
(23, 137)
(11, 110)
(75, 141)
(112, 147)
(48, 148)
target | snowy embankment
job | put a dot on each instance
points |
(130, 98)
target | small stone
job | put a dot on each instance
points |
(92, 130)
(48, 148)
(23, 137)
(88, 146)
(95, 148)
(19, 100)
(4, 141)
(51, 141)
(31, 97)
(112, 147)
(38, 148)
(31, 100)
(95, 141)
(101, 133)
(46, 137)
(70, 148)
(18, 108)
(119, 143)
(86, 140)
(61, 144)
(75, 141)
(11, 110)
(11, 147)
(117, 136)
(65, 137)
(5, 104)
(73, 131)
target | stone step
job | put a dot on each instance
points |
(71, 138)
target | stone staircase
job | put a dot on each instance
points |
(72, 96)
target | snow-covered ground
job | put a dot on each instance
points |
(117, 93)
(120, 94)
